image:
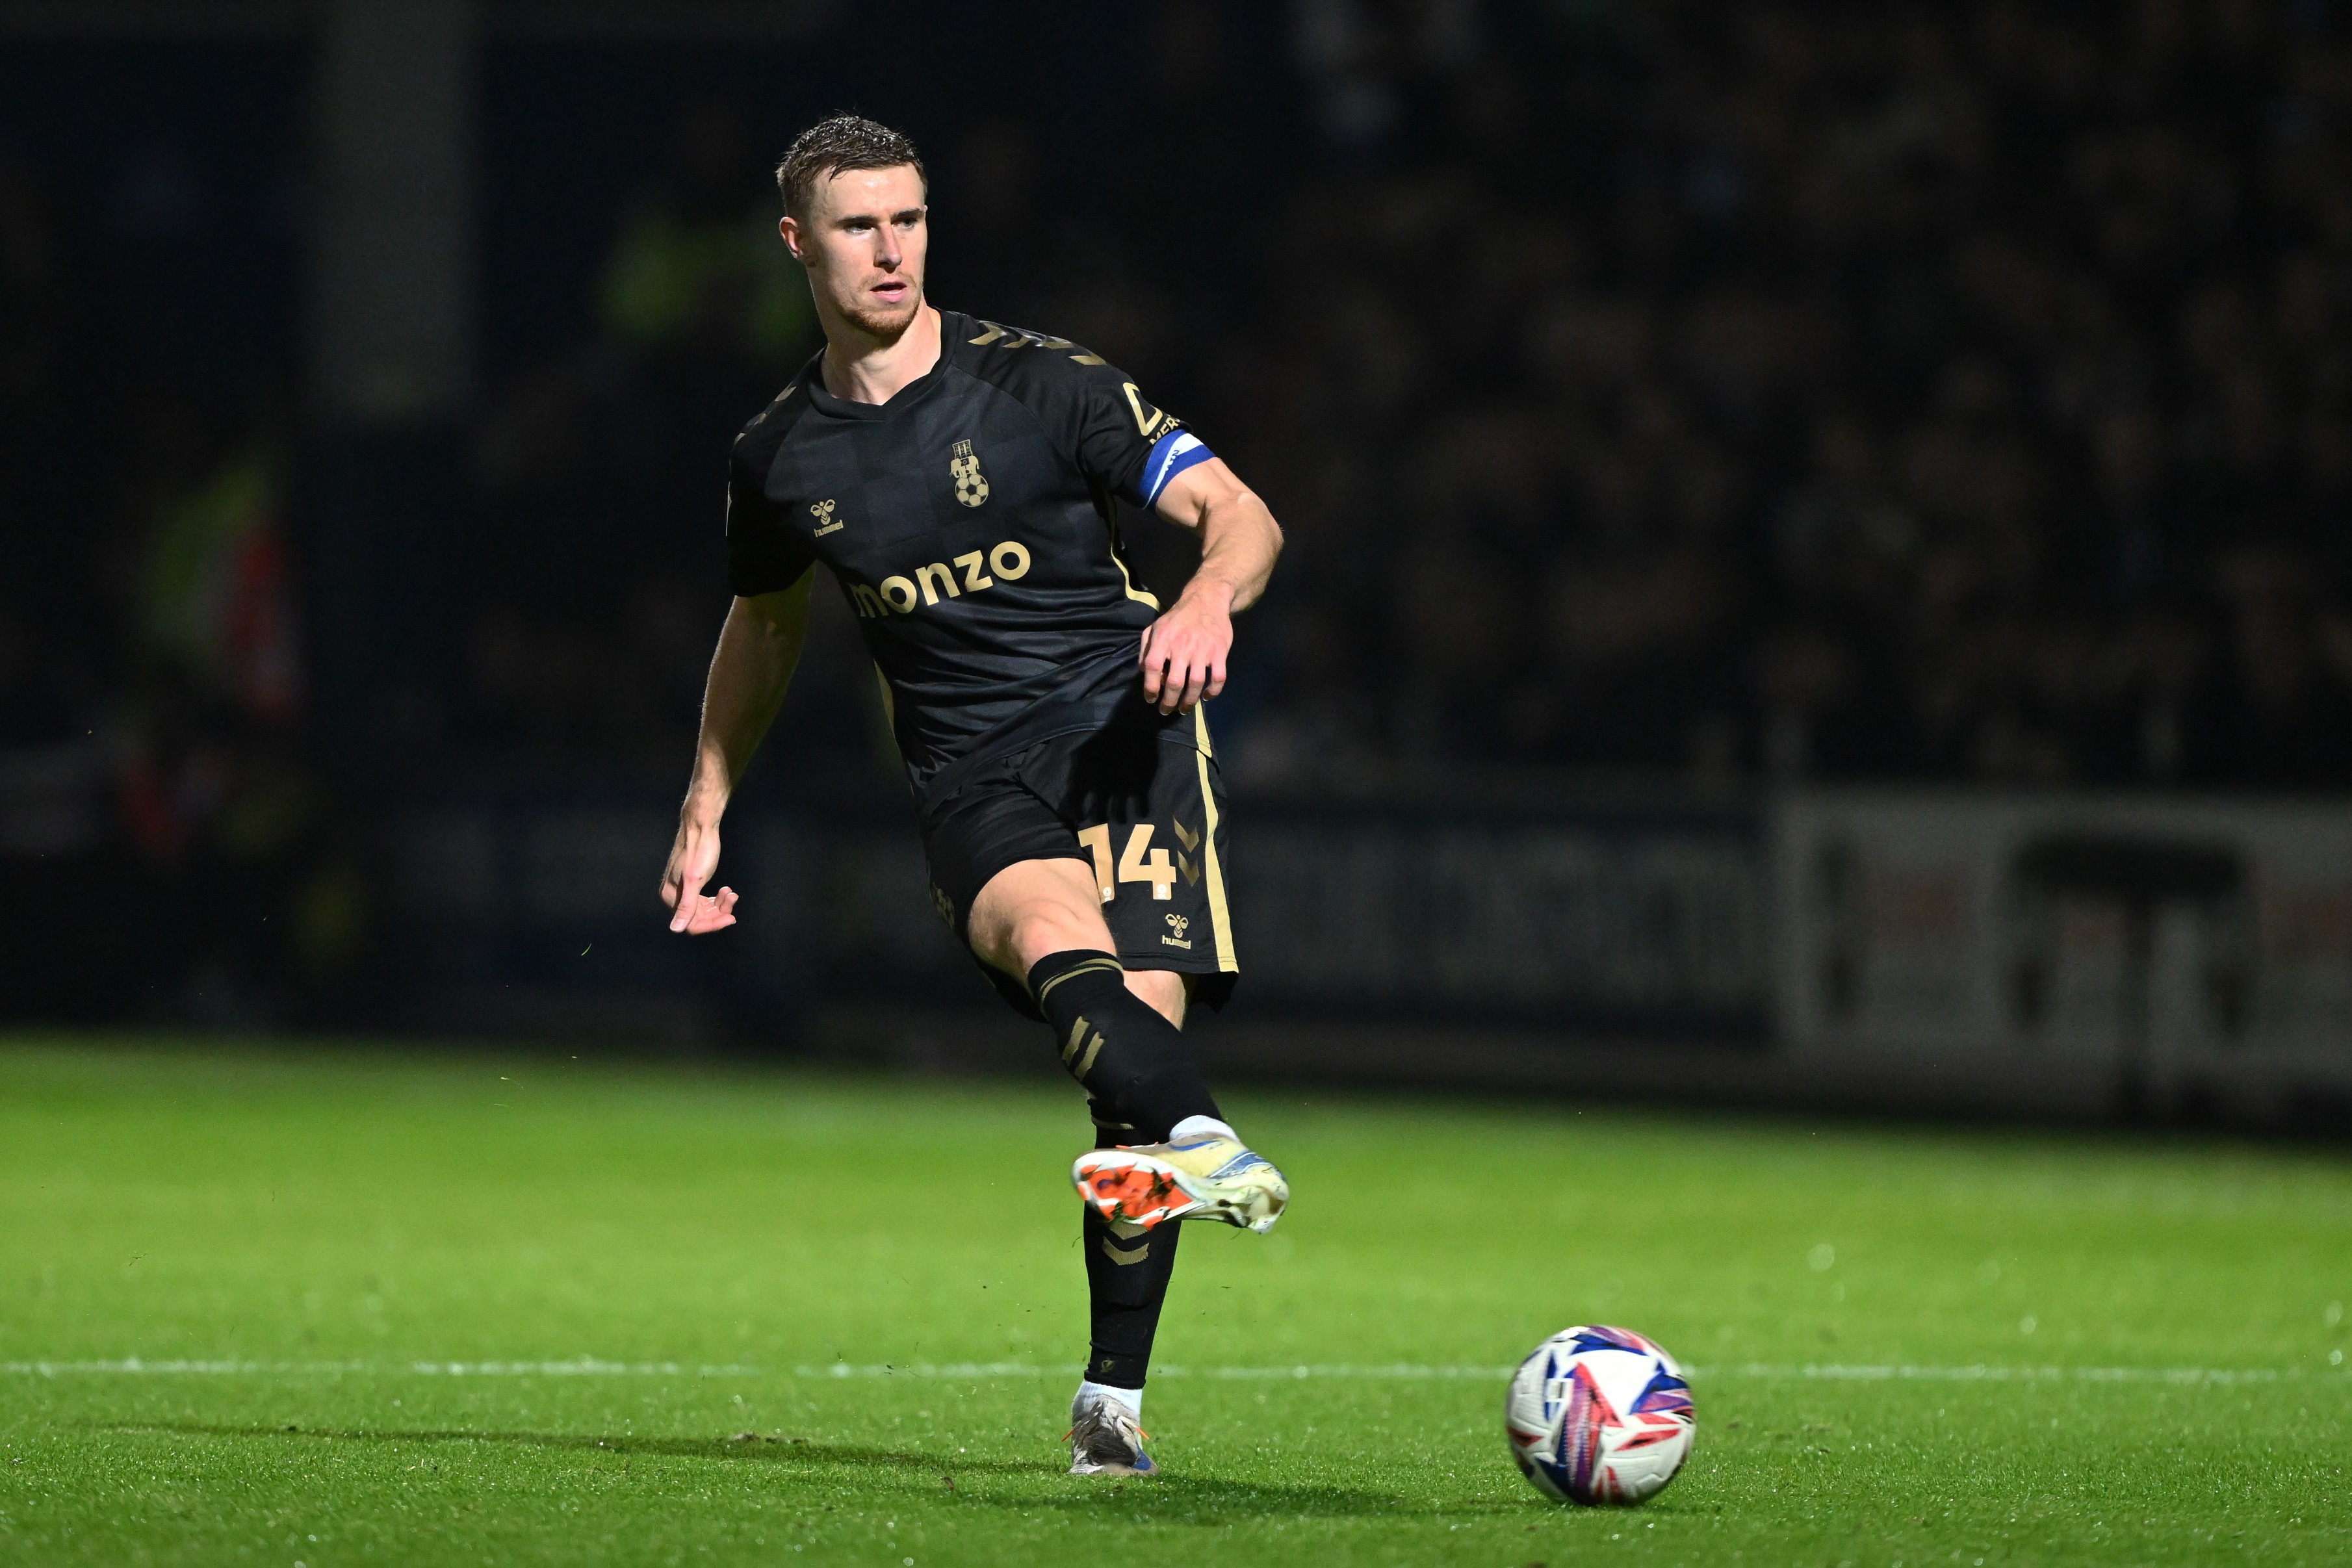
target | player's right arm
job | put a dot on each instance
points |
(758, 649)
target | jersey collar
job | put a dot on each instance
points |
(952, 326)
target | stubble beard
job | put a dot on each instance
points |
(886, 323)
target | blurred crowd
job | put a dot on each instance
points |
(1954, 392)
(168, 844)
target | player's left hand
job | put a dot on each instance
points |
(1184, 650)
(693, 860)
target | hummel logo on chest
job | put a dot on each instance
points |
(826, 521)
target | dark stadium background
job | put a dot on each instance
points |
(1719, 446)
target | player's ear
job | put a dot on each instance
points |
(791, 233)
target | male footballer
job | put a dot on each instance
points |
(962, 482)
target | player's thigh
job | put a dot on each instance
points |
(993, 825)
(1039, 907)
(1034, 907)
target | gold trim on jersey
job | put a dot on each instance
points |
(1221, 919)
(1118, 559)
(1152, 426)
(1021, 337)
(1137, 594)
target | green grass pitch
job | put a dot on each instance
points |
(337, 1306)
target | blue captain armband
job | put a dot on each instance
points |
(1170, 455)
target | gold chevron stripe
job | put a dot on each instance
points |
(1092, 966)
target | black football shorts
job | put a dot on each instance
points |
(1141, 804)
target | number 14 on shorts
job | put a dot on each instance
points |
(1139, 862)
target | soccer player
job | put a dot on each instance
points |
(962, 481)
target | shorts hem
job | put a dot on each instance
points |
(1028, 853)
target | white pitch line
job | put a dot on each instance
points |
(587, 1366)
(590, 1366)
(1979, 1374)
(1405, 1371)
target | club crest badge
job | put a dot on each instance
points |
(971, 484)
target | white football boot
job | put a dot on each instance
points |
(1105, 1440)
(1203, 1176)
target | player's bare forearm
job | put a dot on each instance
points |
(1184, 652)
(758, 648)
(1239, 538)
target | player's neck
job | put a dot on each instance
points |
(862, 368)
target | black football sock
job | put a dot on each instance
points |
(1127, 1281)
(1132, 1061)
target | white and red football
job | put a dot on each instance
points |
(1599, 1416)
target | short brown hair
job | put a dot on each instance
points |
(834, 146)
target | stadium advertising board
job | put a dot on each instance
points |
(2068, 952)
(1646, 920)
(1628, 919)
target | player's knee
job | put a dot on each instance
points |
(1033, 908)
(1014, 934)
(1052, 927)
(1161, 990)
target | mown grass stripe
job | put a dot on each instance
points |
(1408, 1371)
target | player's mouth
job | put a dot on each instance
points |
(891, 290)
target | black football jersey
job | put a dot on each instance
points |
(972, 524)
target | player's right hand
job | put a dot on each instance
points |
(693, 858)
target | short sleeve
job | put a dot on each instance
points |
(1093, 411)
(1174, 451)
(762, 555)
(1116, 428)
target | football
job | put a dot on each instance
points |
(1599, 1416)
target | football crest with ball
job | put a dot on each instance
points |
(1599, 1416)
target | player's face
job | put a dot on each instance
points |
(863, 242)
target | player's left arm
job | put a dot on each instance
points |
(1184, 650)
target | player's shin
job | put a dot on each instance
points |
(1133, 1061)
(1128, 1270)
